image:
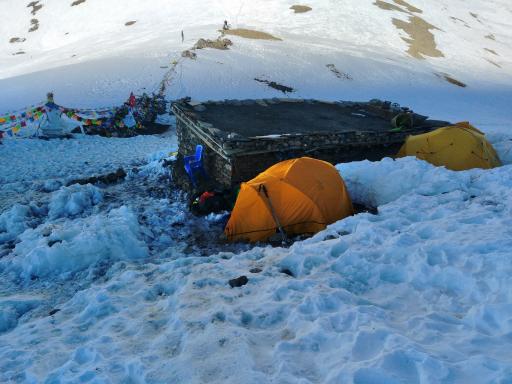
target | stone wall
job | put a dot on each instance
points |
(246, 167)
(230, 158)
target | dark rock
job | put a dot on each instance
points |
(51, 243)
(34, 25)
(17, 40)
(35, 6)
(189, 54)
(219, 43)
(286, 271)
(276, 86)
(53, 311)
(360, 208)
(238, 282)
(110, 178)
(255, 270)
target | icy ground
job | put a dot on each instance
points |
(29, 166)
(118, 284)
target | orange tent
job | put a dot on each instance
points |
(301, 196)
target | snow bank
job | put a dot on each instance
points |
(381, 182)
(64, 247)
(13, 222)
(13, 308)
(502, 142)
(73, 200)
(153, 168)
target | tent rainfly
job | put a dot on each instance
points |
(294, 197)
(457, 147)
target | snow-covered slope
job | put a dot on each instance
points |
(89, 57)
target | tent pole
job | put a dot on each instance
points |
(274, 215)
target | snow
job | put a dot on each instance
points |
(31, 164)
(65, 247)
(385, 181)
(12, 222)
(13, 308)
(70, 201)
(121, 284)
(418, 293)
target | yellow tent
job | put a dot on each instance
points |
(458, 147)
(301, 196)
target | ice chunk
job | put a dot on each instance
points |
(12, 308)
(13, 222)
(377, 183)
(73, 200)
(75, 245)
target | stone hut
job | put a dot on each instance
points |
(242, 138)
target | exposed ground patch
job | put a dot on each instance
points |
(456, 19)
(409, 7)
(219, 43)
(474, 15)
(250, 34)
(14, 40)
(189, 54)
(128, 23)
(451, 80)
(490, 37)
(36, 7)
(387, 6)
(34, 25)
(339, 74)
(18, 53)
(421, 41)
(301, 8)
(493, 63)
(276, 86)
(491, 51)
(77, 2)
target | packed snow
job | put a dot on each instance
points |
(119, 283)
(30, 166)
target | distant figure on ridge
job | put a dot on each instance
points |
(182, 37)
(225, 27)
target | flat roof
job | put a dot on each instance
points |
(254, 119)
